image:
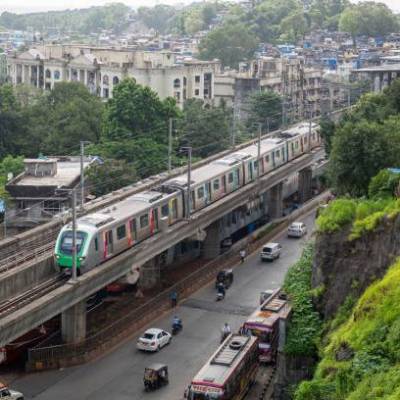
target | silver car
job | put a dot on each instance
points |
(297, 229)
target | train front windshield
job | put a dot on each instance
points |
(66, 242)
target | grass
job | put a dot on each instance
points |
(372, 332)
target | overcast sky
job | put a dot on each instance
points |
(42, 5)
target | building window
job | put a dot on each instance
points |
(177, 96)
(230, 177)
(144, 221)
(216, 184)
(177, 83)
(48, 73)
(165, 210)
(105, 93)
(105, 80)
(121, 232)
(184, 81)
(196, 92)
(197, 78)
(57, 74)
(200, 192)
(115, 80)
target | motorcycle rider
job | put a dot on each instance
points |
(225, 331)
(176, 323)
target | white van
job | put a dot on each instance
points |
(270, 251)
(297, 229)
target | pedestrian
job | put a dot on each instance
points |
(242, 255)
(174, 298)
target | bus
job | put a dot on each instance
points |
(229, 373)
(264, 323)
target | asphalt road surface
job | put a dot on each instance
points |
(119, 375)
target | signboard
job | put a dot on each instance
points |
(206, 389)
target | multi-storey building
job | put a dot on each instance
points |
(3, 67)
(101, 69)
(298, 85)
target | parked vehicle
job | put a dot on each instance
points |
(153, 340)
(270, 251)
(297, 229)
(225, 277)
(8, 394)
(229, 372)
(155, 376)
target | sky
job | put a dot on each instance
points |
(43, 5)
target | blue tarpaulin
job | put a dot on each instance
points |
(2, 206)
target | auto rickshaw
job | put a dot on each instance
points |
(224, 276)
(155, 376)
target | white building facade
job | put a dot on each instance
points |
(101, 69)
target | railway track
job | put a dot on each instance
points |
(14, 304)
(29, 254)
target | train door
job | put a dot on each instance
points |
(273, 159)
(283, 155)
(192, 201)
(109, 242)
(302, 144)
(207, 187)
(154, 220)
(133, 230)
(236, 178)
(224, 183)
(174, 208)
(251, 170)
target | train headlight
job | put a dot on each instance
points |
(81, 258)
(57, 256)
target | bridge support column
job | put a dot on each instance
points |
(305, 179)
(150, 274)
(73, 323)
(276, 201)
(212, 242)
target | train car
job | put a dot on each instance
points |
(102, 235)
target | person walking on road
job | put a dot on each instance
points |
(242, 255)
(174, 299)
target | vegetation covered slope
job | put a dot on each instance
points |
(362, 358)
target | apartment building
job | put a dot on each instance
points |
(298, 84)
(102, 68)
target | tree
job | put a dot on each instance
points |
(384, 184)
(360, 150)
(206, 129)
(109, 176)
(265, 108)
(327, 131)
(368, 18)
(231, 43)
(137, 111)
(295, 25)
(158, 17)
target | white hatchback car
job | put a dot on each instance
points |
(153, 340)
(297, 229)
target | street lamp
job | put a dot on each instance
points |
(82, 144)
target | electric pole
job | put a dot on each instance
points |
(170, 145)
(73, 198)
(189, 173)
(259, 150)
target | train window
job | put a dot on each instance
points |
(230, 177)
(200, 192)
(165, 210)
(144, 221)
(277, 154)
(121, 232)
(255, 165)
(216, 184)
(267, 159)
(96, 244)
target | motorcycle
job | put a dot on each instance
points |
(220, 296)
(176, 328)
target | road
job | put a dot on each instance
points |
(119, 375)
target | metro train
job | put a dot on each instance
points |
(102, 235)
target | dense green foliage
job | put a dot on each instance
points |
(372, 338)
(368, 18)
(384, 184)
(366, 141)
(362, 216)
(9, 165)
(113, 16)
(305, 323)
(265, 108)
(231, 43)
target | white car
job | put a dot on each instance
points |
(297, 229)
(8, 394)
(270, 251)
(153, 340)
